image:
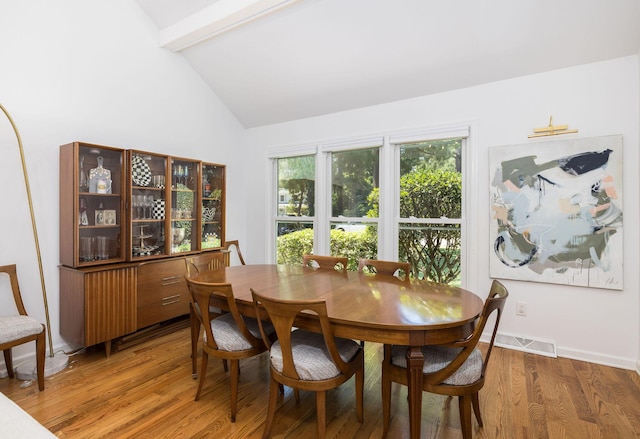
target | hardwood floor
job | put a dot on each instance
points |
(147, 391)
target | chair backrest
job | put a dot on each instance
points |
(494, 302)
(10, 270)
(204, 262)
(228, 245)
(399, 270)
(338, 263)
(207, 294)
(282, 314)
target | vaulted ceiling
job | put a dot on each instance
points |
(273, 61)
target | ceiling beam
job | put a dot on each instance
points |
(218, 18)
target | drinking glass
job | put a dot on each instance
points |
(149, 204)
(140, 206)
(86, 249)
(102, 247)
(178, 172)
(134, 207)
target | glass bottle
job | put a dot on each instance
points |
(84, 182)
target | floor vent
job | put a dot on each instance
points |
(540, 347)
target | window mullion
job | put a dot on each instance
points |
(323, 204)
(387, 229)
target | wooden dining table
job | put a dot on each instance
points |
(365, 307)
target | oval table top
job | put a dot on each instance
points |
(369, 303)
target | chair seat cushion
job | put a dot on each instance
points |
(229, 338)
(437, 357)
(311, 356)
(16, 327)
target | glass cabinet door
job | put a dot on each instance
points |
(91, 204)
(184, 232)
(212, 205)
(147, 205)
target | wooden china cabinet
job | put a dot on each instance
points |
(128, 218)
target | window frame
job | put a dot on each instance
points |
(322, 246)
(389, 220)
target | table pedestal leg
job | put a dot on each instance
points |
(415, 362)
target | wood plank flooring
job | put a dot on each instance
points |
(147, 391)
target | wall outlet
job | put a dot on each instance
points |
(521, 309)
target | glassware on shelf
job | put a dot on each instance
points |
(83, 220)
(178, 174)
(86, 249)
(134, 207)
(102, 247)
(100, 178)
(149, 204)
(138, 202)
(158, 181)
(84, 181)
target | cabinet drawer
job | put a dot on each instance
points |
(162, 292)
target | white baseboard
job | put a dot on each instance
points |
(576, 354)
(597, 358)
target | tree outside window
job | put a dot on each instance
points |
(431, 209)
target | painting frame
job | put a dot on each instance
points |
(557, 212)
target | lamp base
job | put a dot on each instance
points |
(52, 365)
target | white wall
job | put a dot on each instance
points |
(599, 99)
(91, 71)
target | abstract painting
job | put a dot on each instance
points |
(557, 212)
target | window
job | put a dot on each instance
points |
(430, 217)
(355, 181)
(394, 197)
(296, 207)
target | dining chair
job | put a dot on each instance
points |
(307, 360)
(204, 261)
(19, 329)
(227, 247)
(399, 270)
(195, 265)
(456, 369)
(228, 336)
(338, 263)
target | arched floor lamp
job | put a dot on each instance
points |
(54, 363)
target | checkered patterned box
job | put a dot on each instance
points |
(158, 209)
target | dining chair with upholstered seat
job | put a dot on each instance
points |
(399, 270)
(456, 369)
(307, 360)
(19, 329)
(227, 247)
(338, 263)
(195, 265)
(228, 336)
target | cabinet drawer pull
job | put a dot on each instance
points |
(177, 296)
(170, 303)
(164, 284)
(171, 277)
